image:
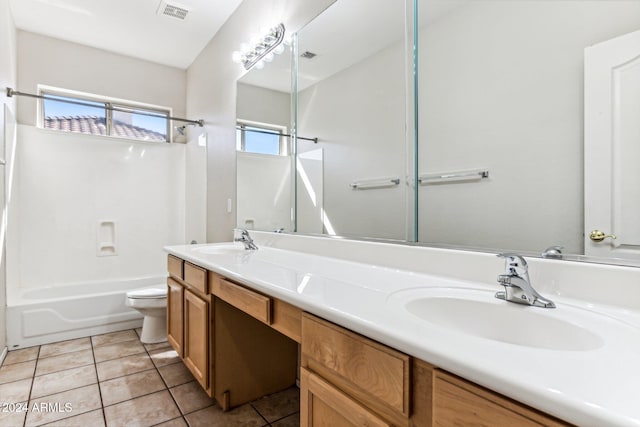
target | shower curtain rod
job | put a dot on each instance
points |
(11, 92)
(315, 140)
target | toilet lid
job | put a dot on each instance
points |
(148, 293)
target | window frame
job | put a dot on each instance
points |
(283, 147)
(121, 105)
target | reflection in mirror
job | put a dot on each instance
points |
(351, 95)
(502, 89)
(501, 97)
(263, 161)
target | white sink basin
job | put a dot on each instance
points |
(222, 249)
(478, 313)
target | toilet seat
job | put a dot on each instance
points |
(148, 293)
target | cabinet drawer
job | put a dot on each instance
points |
(175, 267)
(321, 404)
(373, 372)
(459, 402)
(286, 319)
(252, 303)
(196, 277)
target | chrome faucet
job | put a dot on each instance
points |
(242, 235)
(517, 285)
(553, 252)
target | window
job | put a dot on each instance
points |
(93, 115)
(261, 138)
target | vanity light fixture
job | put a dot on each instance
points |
(261, 49)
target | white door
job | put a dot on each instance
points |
(612, 147)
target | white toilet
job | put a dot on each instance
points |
(152, 303)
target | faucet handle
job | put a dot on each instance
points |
(240, 233)
(514, 264)
(553, 252)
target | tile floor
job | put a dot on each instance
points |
(114, 380)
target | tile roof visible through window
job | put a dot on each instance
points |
(94, 125)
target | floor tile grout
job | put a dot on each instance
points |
(261, 416)
(154, 367)
(95, 368)
(175, 402)
(33, 380)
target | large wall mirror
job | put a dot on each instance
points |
(486, 147)
(502, 91)
(351, 95)
(264, 152)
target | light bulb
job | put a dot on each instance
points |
(236, 56)
(268, 57)
(260, 65)
(244, 47)
(279, 49)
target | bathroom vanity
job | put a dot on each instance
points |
(227, 335)
(236, 317)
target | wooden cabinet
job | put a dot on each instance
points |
(252, 359)
(175, 267)
(253, 303)
(241, 344)
(196, 278)
(196, 337)
(175, 325)
(189, 317)
(348, 379)
(206, 312)
(346, 372)
(322, 404)
(459, 402)
(283, 317)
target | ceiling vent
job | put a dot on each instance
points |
(308, 55)
(172, 10)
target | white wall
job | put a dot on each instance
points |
(48, 61)
(211, 94)
(7, 78)
(358, 115)
(65, 184)
(501, 87)
(69, 183)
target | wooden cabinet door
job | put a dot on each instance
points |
(459, 402)
(175, 326)
(196, 337)
(323, 405)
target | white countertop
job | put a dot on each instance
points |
(591, 388)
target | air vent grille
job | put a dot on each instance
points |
(172, 10)
(308, 55)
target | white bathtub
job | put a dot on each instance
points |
(45, 315)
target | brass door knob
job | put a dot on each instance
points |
(599, 236)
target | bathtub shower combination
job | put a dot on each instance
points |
(45, 315)
(112, 205)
